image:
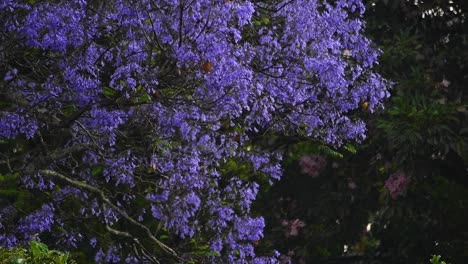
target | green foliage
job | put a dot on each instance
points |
(437, 260)
(312, 147)
(422, 134)
(38, 253)
(415, 125)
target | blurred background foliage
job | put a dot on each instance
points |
(401, 196)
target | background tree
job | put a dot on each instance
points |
(402, 196)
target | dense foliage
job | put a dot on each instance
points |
(401, 196)
(37, 253)
(135, 129)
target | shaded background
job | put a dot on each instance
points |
(401, 196)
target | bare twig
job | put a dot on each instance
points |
(181, 22)
(7, 162)
(90, 136)
(143, 250)
(67, 122)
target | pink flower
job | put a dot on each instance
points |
(292, 227)
(312, 165)
(396, 184)
(283, 259)
(351, 184)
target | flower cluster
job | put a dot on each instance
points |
(14, 124)
(28, 227)
(396, 184)
(124, 100)
(312, 165)
(292, 227)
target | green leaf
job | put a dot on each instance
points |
(109, 92)
(96, 170)
(145, 98)
(69, 110)
(436, 260)
(38, 249)
(350, 148)
(330, 152)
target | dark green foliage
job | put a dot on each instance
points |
(422, 134)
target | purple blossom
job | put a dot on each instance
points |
(37, 222)
(120, 170)
(69, 239)
(93, 242)
(10, 74)
(14, 124)
(8, 241)
(110, 256)
(158, 197)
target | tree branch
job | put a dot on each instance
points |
(121, 212)
(135, 240)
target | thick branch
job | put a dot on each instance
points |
(39, 160)
(14, 99)
(135, 240)
(67, 122)
(106, 200)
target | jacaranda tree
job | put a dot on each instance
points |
(130, 126)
